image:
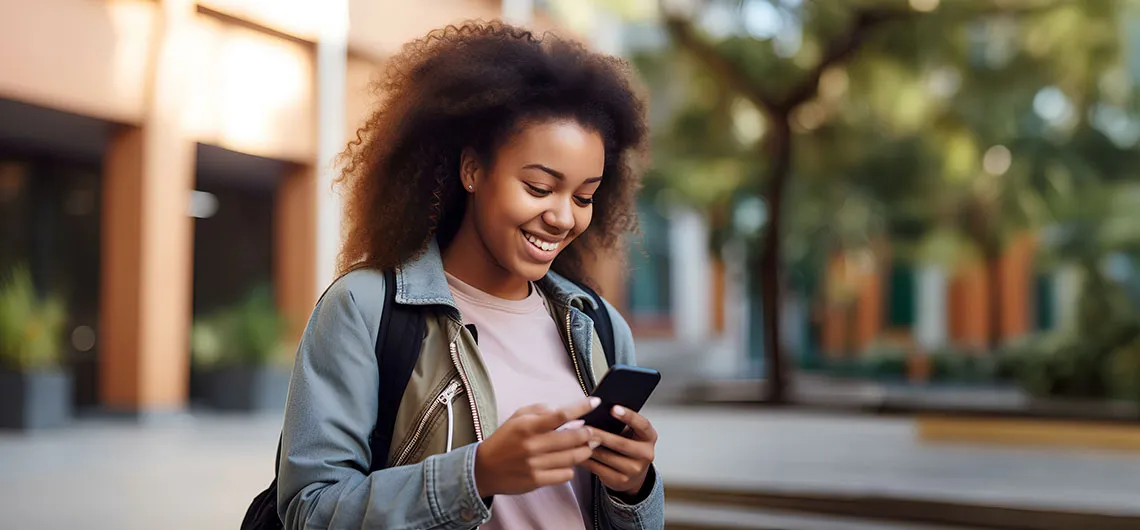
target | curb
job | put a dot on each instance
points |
(888, 508)
(875, 398)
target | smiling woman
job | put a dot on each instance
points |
(533, 202)
(494, 164)
(464, 97)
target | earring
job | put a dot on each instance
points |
(470, 187)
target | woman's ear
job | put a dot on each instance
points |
(469, 169)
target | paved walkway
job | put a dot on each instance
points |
(795, 452)
(185, 474)
(196, 473)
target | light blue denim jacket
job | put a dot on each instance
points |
(333, 399)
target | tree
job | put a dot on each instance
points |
(843, 42)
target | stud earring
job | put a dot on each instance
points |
(470, 187)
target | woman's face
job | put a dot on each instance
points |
(537, 196)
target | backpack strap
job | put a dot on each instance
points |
(602, 323)
(398, 345)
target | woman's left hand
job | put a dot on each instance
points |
(622, 462)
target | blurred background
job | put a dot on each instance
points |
(888, 262)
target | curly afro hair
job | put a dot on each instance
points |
(472, 85)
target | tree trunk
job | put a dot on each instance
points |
(779, 149)
(850, 329)
(993, 270)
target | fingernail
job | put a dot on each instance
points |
(594, 444)
(619, 411)
(573, 424)
(594, 402)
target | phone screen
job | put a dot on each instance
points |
(628, 386)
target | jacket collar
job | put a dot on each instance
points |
(421, 281)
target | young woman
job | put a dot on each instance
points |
(495, 166)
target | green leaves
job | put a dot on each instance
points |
(30, 328)
(249, 334)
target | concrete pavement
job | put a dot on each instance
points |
(791, 451)
(200, 472)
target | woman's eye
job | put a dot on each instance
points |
(584, 201)
(537, 191)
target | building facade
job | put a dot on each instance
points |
(160, 158)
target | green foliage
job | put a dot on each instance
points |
(1123, 371)
(953, 365)
(946, 133)
(903, 123)
(884, 360)
(1077, 365)
(248, 334)
(31, 329)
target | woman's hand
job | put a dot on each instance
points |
(529, 450)
(622, 462)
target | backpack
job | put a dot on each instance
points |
(398, 344)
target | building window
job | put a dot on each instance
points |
(901, 296)
(650, 299)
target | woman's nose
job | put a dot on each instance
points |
(560, 217)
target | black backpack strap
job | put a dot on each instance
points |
(398, 345)
(602, 323)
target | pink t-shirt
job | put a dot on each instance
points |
(520, 344)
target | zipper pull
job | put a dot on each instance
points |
(449, 393)
(446, 397)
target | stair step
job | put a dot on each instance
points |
(689, 516)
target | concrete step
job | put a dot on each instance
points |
(899, 510)
(688, 516)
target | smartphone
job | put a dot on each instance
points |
(628, 386)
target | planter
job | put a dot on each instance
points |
(34, 400)
(199, 385)
(1027, 432)
(244, 388)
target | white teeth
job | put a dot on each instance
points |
(540, 243)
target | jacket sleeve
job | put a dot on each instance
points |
(323, 478)
(649, 512)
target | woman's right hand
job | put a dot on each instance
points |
(529, 451)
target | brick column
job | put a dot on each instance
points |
(148, 239)
(294, 245)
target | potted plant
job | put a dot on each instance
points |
(35, 392)
(238, 356)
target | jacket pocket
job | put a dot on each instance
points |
(442, 403)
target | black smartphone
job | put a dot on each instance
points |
(628, 386)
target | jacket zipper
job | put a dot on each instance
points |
(445, 398)
(573, 356)
(467, 388)
(582, 382)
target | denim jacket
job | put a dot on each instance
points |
(333, 399)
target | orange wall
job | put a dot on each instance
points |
(81, 56)
(378, 28)
(295, 237)
(119, 333)
(252, 92)
(300, 18)
(1017, 287)
(869, 311)
(718, 286)
(860, 326)
(358, 100)
(970, 304)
